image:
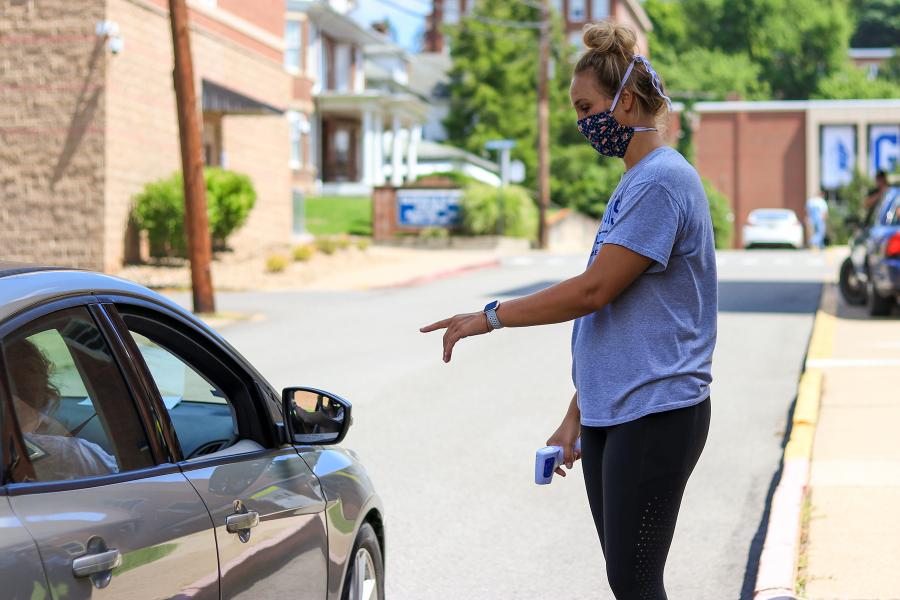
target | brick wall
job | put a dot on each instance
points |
(52, 106)
(757, 159)
(260, 147)
(142, 140)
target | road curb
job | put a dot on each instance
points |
(445, 274)
(776, 576)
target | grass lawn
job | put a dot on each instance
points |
(330, 215)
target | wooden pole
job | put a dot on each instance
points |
(196, 221)
(543, 114)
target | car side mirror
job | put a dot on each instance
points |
(313, 416)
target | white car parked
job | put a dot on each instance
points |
(773, 226)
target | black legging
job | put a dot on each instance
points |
(635, 474)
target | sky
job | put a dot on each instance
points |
(401, 14)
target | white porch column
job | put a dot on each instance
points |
(379, 149)
(412, 157)
(396, 153)
(367, 144)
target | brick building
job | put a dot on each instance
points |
(777, 154)
(83, 127)
(575, 14)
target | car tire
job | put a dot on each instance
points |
(365, 571)
(852, 289)
(878, 305)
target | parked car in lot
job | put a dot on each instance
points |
(773, 227)
(871, 274)
(141, 455)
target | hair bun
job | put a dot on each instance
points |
(610, 37)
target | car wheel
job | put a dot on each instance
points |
(878, 305)
(852, 289)
(365, 573)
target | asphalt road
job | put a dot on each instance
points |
(451, 447)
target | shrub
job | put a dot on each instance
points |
(582, 180)
(159, 209)
(326, 245)
(363, 244)
(343, 242)
(481, 211)
(850, 202)
(230, 197)
(520, 213)
(434, 233)
(304, 252)
(722, 217)
(276, 263)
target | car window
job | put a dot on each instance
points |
(891, 215)
(73, 408)
(202, 415)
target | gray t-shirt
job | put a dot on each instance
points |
(650, 350)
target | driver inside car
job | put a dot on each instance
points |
(54, 452)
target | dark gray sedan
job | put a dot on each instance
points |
(142, 457)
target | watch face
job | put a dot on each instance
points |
(491, 305)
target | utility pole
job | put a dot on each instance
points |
(196, 220)
(543, 114)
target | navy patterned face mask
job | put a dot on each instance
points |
(608, 136)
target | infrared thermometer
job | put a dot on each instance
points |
(547, 459)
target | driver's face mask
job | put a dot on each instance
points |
(608, 136)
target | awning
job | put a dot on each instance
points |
(217, 98)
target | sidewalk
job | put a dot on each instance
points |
(350, 269)
(852, 548)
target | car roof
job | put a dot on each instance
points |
(24, 285)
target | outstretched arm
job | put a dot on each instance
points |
(614, 269)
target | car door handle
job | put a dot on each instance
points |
(93, 564)
(239, 522)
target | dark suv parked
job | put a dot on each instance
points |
(871, 274)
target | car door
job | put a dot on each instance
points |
(20, 564)
(267, 505)
(110, 516)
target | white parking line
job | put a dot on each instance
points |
(520, 261)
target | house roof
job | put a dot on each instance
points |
(792, 105)
(429, 150)
(871, 53)
(337, 25)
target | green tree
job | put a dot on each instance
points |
(493, 95)
(878, 23)
(492, 81)
(787, 45)
(853, 82)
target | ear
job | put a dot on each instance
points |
(626, 100)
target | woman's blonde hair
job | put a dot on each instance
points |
(610, 48)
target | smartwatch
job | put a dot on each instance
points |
(491, 311)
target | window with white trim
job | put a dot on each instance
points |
(292, 46)
(577, 10)
(343, 58)
(599, 9)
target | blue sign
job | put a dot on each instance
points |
(428, 208)
(884, 148)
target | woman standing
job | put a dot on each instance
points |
(645, 319)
